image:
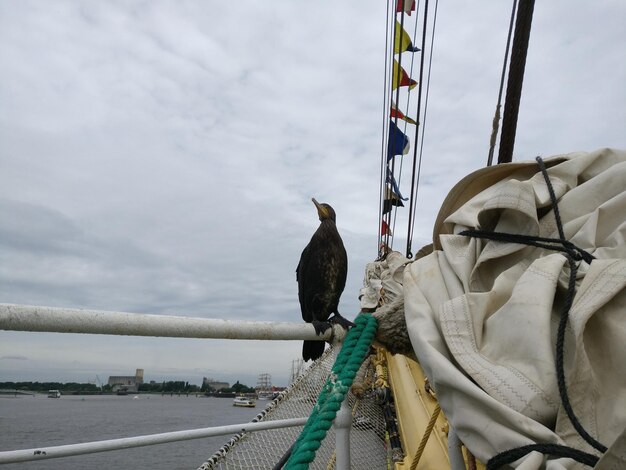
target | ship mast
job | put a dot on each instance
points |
(517, 66)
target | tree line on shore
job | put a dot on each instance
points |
(181, 386)
(163, 387)
(45, 386)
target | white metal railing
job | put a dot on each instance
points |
(41, 453)
(67, 320)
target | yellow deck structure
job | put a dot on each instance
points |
(415, 405)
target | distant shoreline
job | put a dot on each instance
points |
(13, 392)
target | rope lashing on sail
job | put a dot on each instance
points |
(349, 360)
(508, 456)
(573, 255)
(554, 244)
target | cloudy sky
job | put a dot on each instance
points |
(160, 156)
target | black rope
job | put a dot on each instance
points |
(571, 291)
(512, 455)
(573, 254)
(555, 244)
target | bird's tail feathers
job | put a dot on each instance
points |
(312, 349)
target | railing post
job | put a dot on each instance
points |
(343, 423)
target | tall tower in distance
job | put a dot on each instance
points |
(139, 376)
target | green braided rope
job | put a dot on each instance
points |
(353, 352)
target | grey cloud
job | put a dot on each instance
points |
(14, 358)
(161, 157)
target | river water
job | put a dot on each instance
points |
(37, 421)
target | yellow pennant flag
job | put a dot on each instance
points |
(402, 41)
(401, 78)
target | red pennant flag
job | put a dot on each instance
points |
(405, 5)
(395, 112)
(384, 229)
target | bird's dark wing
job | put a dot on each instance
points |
(312, 284)
(301, 279)
(304, 260)
(342, 273)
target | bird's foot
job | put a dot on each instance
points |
(341, 321)
(320, 326)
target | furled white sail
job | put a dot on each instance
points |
(482, 315)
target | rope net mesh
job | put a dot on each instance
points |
(263, 449)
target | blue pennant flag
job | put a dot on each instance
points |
(398, 142)
(391, 180)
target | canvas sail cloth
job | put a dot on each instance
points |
(482, 315)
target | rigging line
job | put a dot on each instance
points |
(382, 186)
(396, 35)
(496, 118)
(417, 9)
(395, 208)
(408, 97)
(384, 239)
(386, 157)
(417, 127)
(419, 169)
(408, 100)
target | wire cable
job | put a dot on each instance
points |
(383, 186)
(419, 169)
(496, 118)
(409, 254)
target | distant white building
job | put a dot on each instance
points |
(127, 382)
(214, 384)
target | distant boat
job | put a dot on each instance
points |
(264, 387)
(54, 394)
(243, 401)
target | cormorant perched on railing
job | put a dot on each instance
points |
(321, 276)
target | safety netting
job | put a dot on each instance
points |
(263, 449)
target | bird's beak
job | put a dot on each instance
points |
(321, 210)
